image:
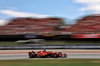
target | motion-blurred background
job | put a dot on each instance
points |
(49, 22)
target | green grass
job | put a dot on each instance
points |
(71, 42)
(67, 42)
(10, 43)
(51, 62)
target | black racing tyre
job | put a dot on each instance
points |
(55, 55)
(31, 55)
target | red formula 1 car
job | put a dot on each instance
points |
(46, 54)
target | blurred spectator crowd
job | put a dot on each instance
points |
(38, 26)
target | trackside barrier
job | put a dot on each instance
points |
(50, 47)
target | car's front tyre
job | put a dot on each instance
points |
(55, 55)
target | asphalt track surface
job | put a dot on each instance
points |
(70, 55)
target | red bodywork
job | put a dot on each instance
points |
(85, 36)
(45, 53)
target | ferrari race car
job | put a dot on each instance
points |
(46, 54)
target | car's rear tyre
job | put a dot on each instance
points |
(31, 55)
(55, 55)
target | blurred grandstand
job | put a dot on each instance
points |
(89, 25)
(30, 27)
